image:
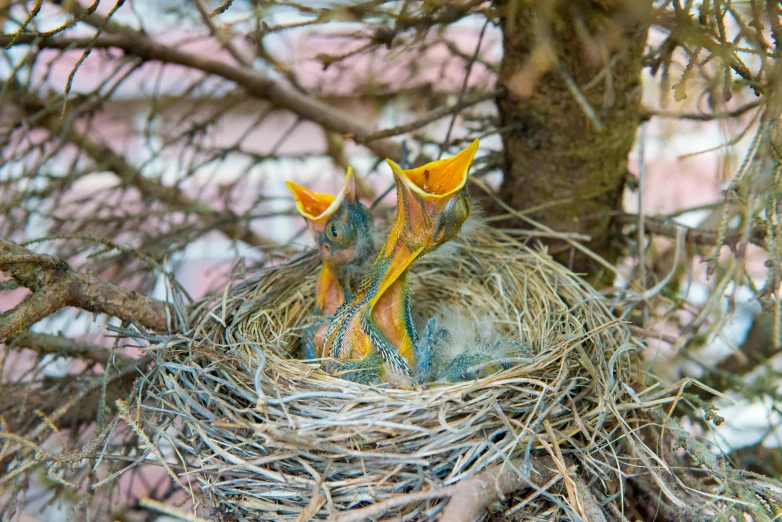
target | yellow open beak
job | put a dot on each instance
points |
(315, 206)
(438, 179)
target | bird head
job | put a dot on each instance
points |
(340, 225)
(433, 199)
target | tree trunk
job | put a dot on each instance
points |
(556, 52)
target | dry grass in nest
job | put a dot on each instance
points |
(568, 436)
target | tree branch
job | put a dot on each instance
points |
(472, 495)
(468, 497)
(36, 306)
(45, 344)
(256, 83)
(647, 113)
(434, 115)
(55, 285)
(695, 236)
(229, 223)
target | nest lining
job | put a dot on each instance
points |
(269, 437)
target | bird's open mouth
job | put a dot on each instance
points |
(438, 179)
(316, 206)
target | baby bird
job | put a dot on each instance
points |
(372, 336)
(463, 348)
(343, 230)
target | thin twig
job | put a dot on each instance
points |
(434, 115)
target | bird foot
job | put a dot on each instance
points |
(370, 370)
(363, 371)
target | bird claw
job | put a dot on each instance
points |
(362, 371)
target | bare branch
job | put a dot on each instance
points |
(652, 334)
(225, 42)
(45, 344)
(735, 113)
(36, 306)
(693, 235)
(256, 84)
(433, 115)
(468, 497)
(55, 285)
(226, 221)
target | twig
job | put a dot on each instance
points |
(735, 113)
(579, 97)
(695, 236)
(159, 507)
(641, 230)
(54, 288)
(651, 334)
(361, 514)
(464, 87)
(434, 115)
(221, 8)
(214, 31)
(60, 346)
(256, 83)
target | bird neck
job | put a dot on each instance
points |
(389, 306)
(383, 294)
(329, 292)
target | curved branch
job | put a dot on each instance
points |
(36, 306)
(55, 285)
(254, 82)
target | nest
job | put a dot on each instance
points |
(569, 435)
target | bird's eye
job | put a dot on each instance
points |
(333, 230)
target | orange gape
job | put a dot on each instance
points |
(342, 229)
(375, 328)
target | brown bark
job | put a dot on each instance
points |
(55, 284)
(554, 151)
(471, 496)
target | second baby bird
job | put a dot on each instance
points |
(343, 231)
